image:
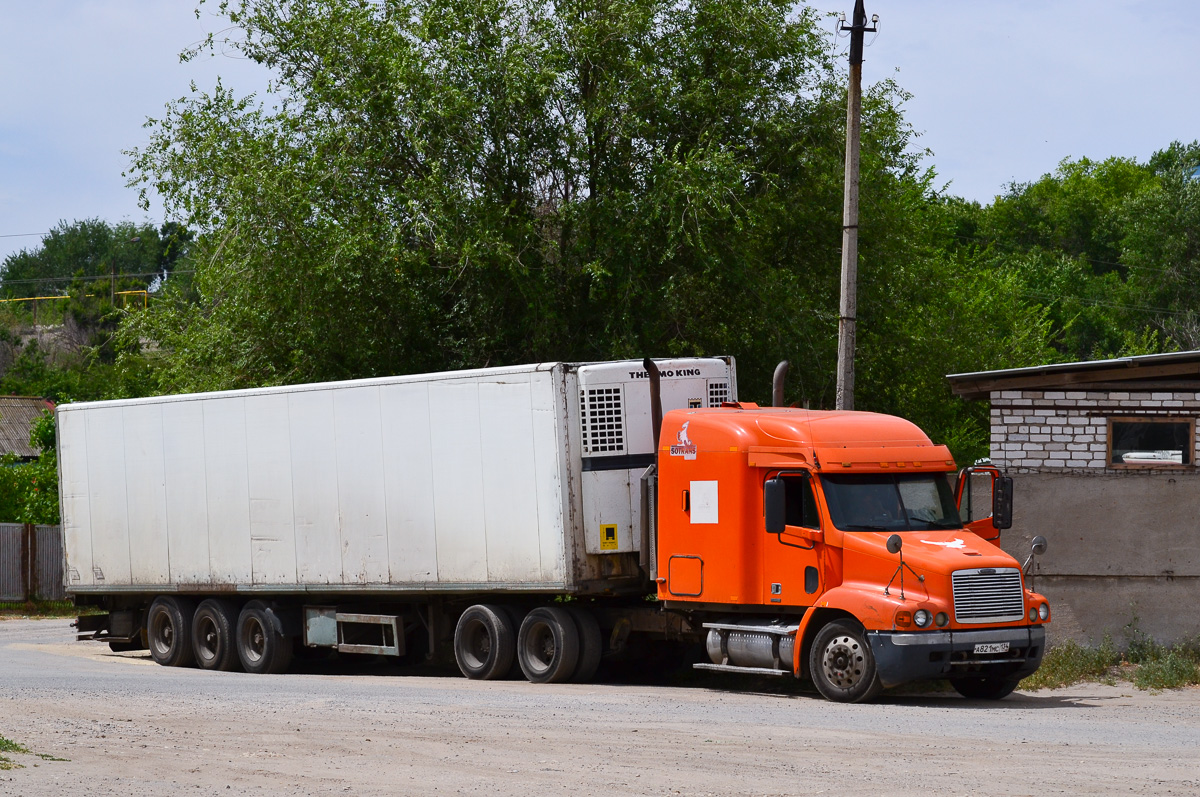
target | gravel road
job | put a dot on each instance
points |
(129, 727)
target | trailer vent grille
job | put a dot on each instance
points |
(988, 595)
(603, 420)
(717, 393)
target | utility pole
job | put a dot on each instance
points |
(847, 315)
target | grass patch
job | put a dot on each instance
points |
(39, 610)
(1145, 663)
(1071, 663)
(1174, 669)
(9, 746)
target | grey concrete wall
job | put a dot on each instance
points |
(1120, 545)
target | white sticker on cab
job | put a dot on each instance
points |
(704, 502)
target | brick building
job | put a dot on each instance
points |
(1103, 456)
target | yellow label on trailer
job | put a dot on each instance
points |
(608, 537)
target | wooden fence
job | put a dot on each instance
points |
(31, 563)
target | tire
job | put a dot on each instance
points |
(842, 665)
(484, 643)
(213, 635)
(984, 688)
(261, 647)
(548, 645)
(591, 645)
(169, 631)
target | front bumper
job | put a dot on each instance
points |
(904, 657)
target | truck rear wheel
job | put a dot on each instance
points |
(591, 645)
(548, 645)
(213, 629)
(984, 688)
(261, 647)
(842, 665)
(169, 631)
(484, 643)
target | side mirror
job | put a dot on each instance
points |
(1002, 502)
(1039, 545)
(775, 505)
(894, 543)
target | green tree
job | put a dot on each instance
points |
(451, 183)
(1161, 246)
(29, 490)
(135, 255)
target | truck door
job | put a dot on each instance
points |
(984, 497)
(790, 559)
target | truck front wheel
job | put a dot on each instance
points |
(842, 665)
(548, 645)
(169, 631)
(484, 643)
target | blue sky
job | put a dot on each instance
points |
(1002, 91)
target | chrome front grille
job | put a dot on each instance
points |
(988, 595)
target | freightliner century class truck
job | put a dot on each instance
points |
(537, 520)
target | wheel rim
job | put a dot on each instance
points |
(540, 648)
(478, 645)
(254, 640)
(843, 661)
(208, 638)
(162, 634)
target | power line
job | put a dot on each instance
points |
(23, 234)
(4, 281)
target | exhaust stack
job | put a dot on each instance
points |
(777, 384)
(655, 399)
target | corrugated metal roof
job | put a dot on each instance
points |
(1181, 366)
(17, 414)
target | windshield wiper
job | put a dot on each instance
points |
(857, 527)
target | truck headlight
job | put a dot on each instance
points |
(941, 619)
(1044, 612)
(922, 618)
(1033, 614)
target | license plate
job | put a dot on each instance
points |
(992, 647)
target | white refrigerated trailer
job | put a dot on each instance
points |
(400, 515)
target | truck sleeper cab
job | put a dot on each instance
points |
(840, 530)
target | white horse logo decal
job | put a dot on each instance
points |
(682, 437)
(955, 543)
(684, 447)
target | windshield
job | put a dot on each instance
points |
(890, 502)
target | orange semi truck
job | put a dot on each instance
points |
(832, 547)
(537, 521)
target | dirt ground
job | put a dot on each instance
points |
(126, 726)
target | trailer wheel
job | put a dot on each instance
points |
(984, 688)
(591, 645)
(213, 629)
(169, 631)
(548, 645)
(842, 665)
(484, 643)
(262, 647)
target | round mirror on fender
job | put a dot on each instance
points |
(894, 543)
(1039, 545)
